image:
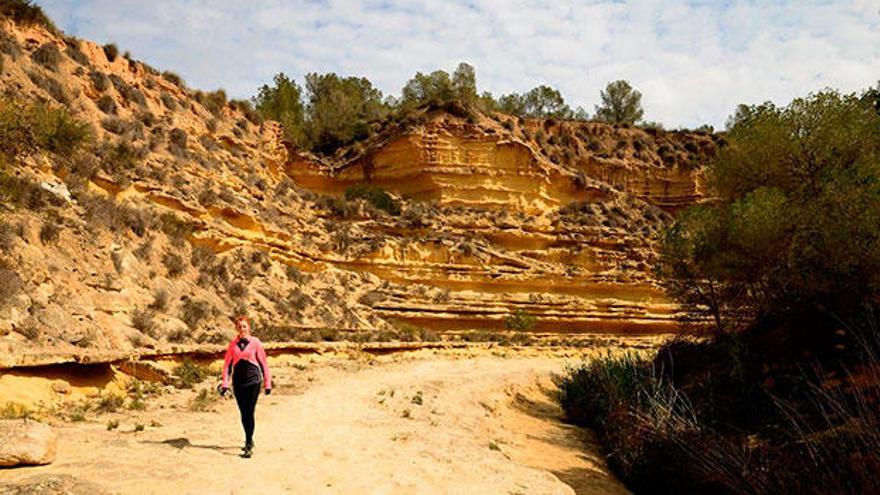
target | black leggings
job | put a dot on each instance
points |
(246, 397)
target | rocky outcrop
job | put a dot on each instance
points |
(26, 443)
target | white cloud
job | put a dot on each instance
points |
(693, 61)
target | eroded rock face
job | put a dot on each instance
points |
(219, 216)
(508, 222)
(26, 443)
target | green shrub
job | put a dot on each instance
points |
(194, 311)
(109, 402)
(14, 410)
(215, 101)
(51, 86)
(204, 401)
(107, 105)
(778, 241)
(189, 373)
(48, 56)
(75, 54)
(173, 78)
(174, 263)
(111, 51)
(50, 230)
(375, 196)
(144, 321)
(520, 320)
(27, 128)
(99, 80)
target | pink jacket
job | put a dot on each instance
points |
(252, 352)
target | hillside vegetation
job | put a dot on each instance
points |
(781, 396)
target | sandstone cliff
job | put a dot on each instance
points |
(182, 212)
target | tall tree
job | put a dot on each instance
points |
(540, 102)
(435, 87)
(283, 102)
(464, 83)
(621, 104)
(340, 109)
(793, 228)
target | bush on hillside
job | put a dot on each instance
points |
(47, 55)
(111, 51)
(375, 196)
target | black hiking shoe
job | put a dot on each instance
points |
(248, 450)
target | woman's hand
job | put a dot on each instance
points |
(268, 391)
(222, 390)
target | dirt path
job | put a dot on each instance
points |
(442, 425)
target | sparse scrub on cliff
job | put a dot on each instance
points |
(107, 104)
(128, 92)
(177, 142)
(214, 101)
(143, 320)
(194, 311)
(74, 53)
(174, 263)
(173, 78)
(520, 320)
(48, 56)
(51, 86)
(111, 51)
(375, 196)
(99, 80)
(27, 13)
(51, 229)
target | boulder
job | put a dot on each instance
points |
(26, 443)
(51, 484)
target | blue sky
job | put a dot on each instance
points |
(693, 61)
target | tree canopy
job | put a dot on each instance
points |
(282, 102)
(621, 104)
(332, 111)
(340, 109)
(795, 223)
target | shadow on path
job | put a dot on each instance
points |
(181, 443)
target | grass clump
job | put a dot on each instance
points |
(14, 410)
(189, 373)
(520, 320)
(194, 311)
(203, 401)
(144, 321)
(107, 104)
(48, 56)
(174, 263)
(377, 197)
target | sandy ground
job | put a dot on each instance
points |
(432, 422)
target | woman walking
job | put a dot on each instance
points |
(246, 361)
